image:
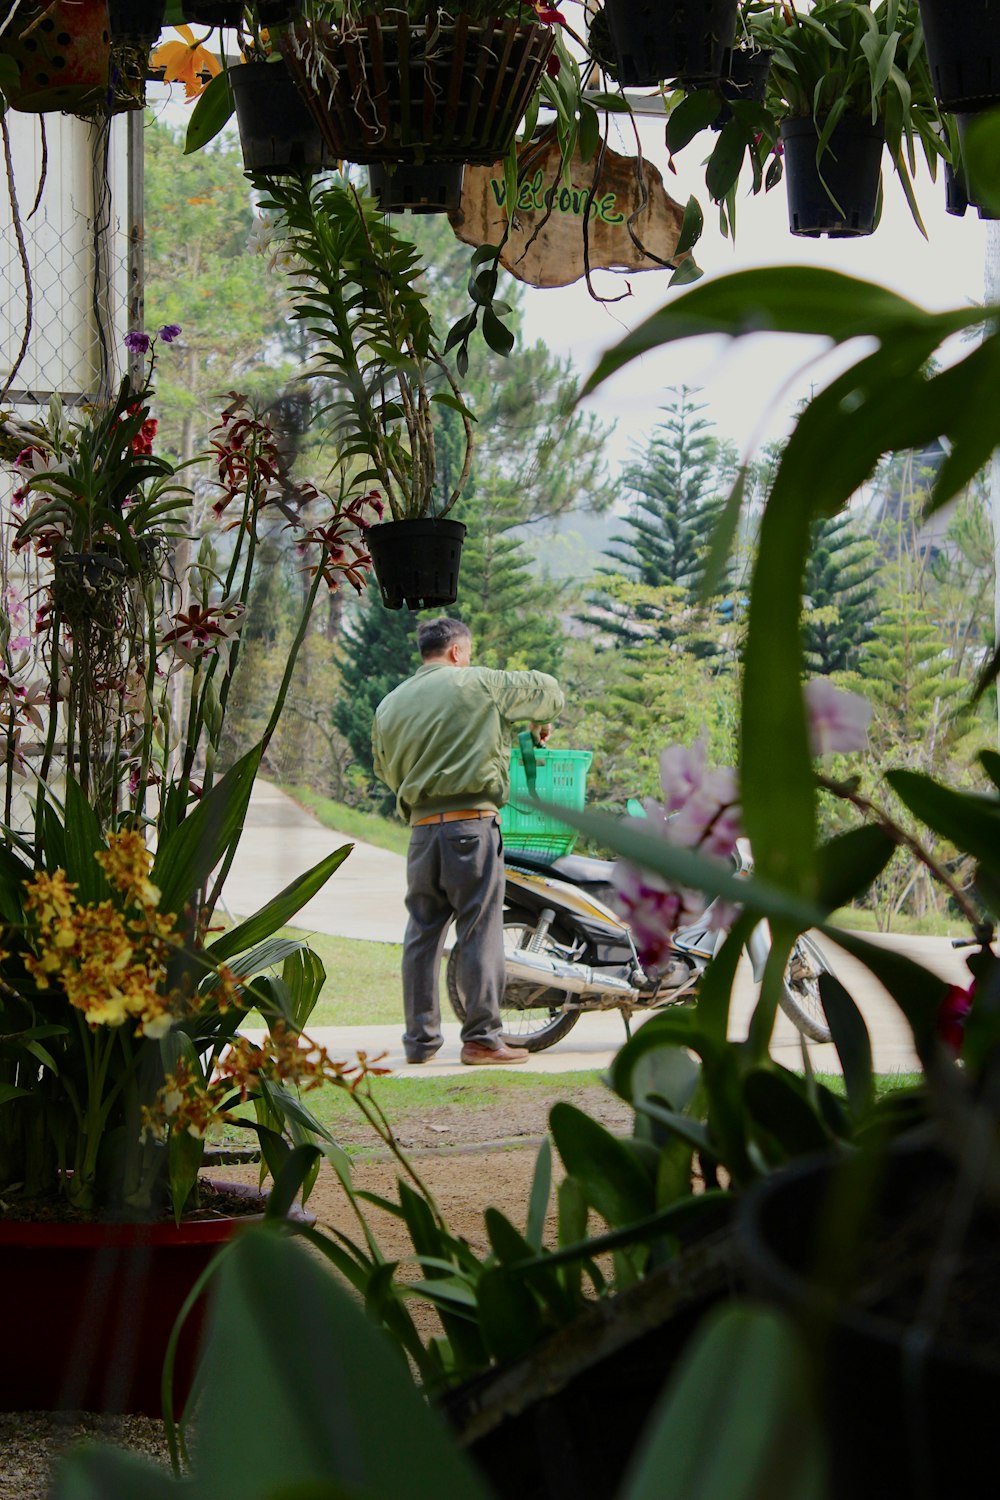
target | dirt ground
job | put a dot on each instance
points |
(469, 1159)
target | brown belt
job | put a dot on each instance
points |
(455, 817)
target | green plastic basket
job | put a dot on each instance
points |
(561, 777)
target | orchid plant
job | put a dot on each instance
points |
(118, 998)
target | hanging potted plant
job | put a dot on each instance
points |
(419, 83)
(277, 132)
(846, 79)
(652, 41)
(61, 50)
(357, 296)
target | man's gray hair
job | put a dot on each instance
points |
(435, 636)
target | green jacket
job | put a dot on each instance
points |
(440, 740)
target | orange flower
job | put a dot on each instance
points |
(184, 62)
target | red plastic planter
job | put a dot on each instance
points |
(89, 1308)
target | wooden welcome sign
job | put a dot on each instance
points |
(545, 245)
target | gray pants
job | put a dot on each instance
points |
(453, 869)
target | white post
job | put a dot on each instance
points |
(991, 292)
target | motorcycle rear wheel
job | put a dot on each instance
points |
(800, 997)
(531, 1017)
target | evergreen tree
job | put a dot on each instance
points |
(202, 275)
(910, 680)
(841, 596)
(679, 483)
(377, 650)
(675, 484)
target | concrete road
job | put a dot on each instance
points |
(365, 899)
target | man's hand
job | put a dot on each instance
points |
(540, 732)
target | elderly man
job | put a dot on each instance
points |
(441, 743)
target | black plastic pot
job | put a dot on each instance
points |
(213, 12)
(435, 188)
(416, 562)
(564, 1422)
(745, 78)
(963, 49)
(136, 21)
(840, 197)
(907, 1411)
(955, 180)
(657, 39)
(956, 199)
(277, 132)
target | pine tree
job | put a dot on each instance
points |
(841, 596)
(378, 649)
(912, 685)
(679, 483)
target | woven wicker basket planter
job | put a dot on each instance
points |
(440, 90)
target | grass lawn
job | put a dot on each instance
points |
(384, 833)
(362, 980)
(403, 1098)
(860, 919)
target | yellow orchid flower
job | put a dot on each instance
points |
(185, 61)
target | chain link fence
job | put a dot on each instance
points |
(66, 259)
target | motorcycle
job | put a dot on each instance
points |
(568, 952)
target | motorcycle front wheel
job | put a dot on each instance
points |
(530, 1013)
(800, 997)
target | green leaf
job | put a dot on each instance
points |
(690, 117)
(13, 874)
(214, 107)
(916, 991)
(736, 1422)
(538, 1198)
(613, 1180)
(589, 128)
(90, 1472)
(83, 842)
(671, 1028)
(851, 1039)
(776, 1100)
(777, 790)
(990, 762)
(723, 538)
(280, 910)
(288, 1184)
(692, 225)
(498, 337)
(317, 1378)
(509, 1315)
(850, 862)
(716, 987)
(656, 1065)
(10, 1091)
(190, 852)
(969, 820)
(723, 169)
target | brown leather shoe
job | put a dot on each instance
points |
(476, 1053)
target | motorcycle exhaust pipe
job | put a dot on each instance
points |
(575, 979)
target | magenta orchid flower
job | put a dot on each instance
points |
(838, 720)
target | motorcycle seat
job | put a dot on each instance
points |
(578, 869)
